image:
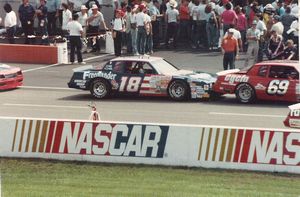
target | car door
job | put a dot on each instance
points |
(259, 80)
(282, 83)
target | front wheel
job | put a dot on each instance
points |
(245, 93)
(178, 90)
(100, 88)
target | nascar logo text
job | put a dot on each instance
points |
(249, 146)
(89, 138)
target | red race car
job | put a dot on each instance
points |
(293, 118)
(270, 80)
(10, 77)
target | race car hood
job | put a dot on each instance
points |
(195, 76)
(6, 69)
(226, 72)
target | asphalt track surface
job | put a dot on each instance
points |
(45, 95)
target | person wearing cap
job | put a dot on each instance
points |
(133, 30)
(41, 13)
(141, 30)
(277, 25)
(172, 18)
(82, 19)
(230, 50)
(75, 31)
(118, 27)
(94, 20)
(252, 36)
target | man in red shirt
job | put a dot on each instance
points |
(230, 50)
(184, 17)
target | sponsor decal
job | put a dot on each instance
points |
(260, 86)
(295, 112)
(79, 138)
(90, 75)
(236, 78)
(249, 146)
(295, 123)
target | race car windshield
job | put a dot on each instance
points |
(164, 67)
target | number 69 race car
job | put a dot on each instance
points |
(270, 80)
(142, 76)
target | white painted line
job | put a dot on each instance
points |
(251, 115)
(47, 88)
(44, 106)
(52, 65)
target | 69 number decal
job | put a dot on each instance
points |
(278, 87)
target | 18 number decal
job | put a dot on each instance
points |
(130, 84)
(278, 87)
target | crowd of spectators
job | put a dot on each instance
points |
(261, 29)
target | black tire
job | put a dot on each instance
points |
(100, 88)
(245, 93)
(178, 90)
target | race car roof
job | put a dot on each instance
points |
(137, 58)
(281, 63)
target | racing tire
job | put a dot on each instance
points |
(245, 93)
(100, 88)
(178, 90)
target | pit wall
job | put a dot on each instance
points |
(269, 150)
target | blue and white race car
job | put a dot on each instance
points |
(142, 76)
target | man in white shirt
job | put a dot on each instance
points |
(252, 36)
(202, 24)
(75, 31)
(141, 31)
(133, 30)
(10, 23)
(172, 18)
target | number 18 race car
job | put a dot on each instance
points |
(270, 80)
(142, 76)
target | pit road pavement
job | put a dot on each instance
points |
(45, 95)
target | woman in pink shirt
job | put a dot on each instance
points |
(228, 17)
(241, 23)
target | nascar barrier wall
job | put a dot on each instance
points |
(174, 145)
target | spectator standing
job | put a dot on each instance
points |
(10, 23)
(280, 9)
(141, 31)
(241, 25)
(184, 17)
(94, 20)
(202, 23)
(261, 27)
(41, 13)
(211, 28)
(82, 19)
(75, 31)
(236, 35)
(155, 21)
(128, 30)
(26, 14)
(172, 17)
(195, 21)
(89, 4)
(52, 14)
(118, 28)
(287, 20)
(149, 33)
(133, 30)
(66, 18)
(228, 17)
(230, 50)
(294, 29)
(253, 36)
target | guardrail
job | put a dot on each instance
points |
(271, 150)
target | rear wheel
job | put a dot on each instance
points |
(100, 88)
(245, 93)
(178, 90)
